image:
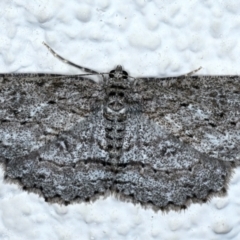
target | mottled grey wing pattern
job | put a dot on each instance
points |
(71, 167)
(163, 171)
(154, 141)
(35, 108)
(44, 140)
(202, 111)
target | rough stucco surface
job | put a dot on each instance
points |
(149, 38)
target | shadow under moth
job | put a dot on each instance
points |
(163, 142)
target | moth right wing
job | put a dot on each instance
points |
(157, 168)
(203, 111)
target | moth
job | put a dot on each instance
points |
(162, 142)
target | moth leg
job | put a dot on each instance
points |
(68, 62)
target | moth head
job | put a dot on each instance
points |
(118, 78)
(118, 73)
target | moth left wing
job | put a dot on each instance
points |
(203, 111)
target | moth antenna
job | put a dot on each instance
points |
(192, 72)
(68, 62)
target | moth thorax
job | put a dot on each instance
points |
(121, 83)
(115, 99)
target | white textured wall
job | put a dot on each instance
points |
(149, 38)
